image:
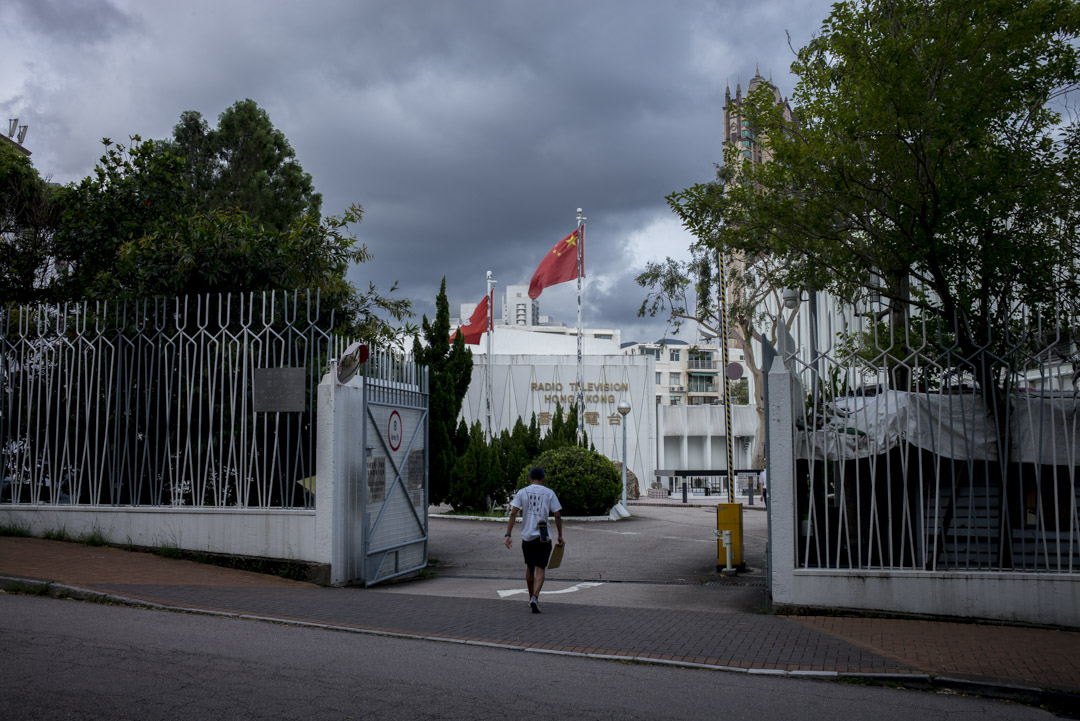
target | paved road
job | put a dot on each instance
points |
(89, 661)
(663, 557)
(635, 610)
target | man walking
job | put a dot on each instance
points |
(536, 502)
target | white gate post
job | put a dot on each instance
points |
(329, 500)
(781, 482)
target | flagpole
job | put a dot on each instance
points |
(490, 333)
(580, 362)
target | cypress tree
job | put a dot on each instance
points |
(449, 372)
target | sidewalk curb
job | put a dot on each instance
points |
(1059, 701)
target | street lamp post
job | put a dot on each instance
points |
(624, 409)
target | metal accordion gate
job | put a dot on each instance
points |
(394, 501)
(373, 487)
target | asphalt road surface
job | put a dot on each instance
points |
(662, 557)
(64, 659)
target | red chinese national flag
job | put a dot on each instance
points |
(476, 325)
(558, 266)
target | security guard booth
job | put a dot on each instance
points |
(729, 517)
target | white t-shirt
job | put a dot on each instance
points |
(536, 502)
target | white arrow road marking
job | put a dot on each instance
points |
(578, 587)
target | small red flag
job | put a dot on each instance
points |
(558, 266)
(476, 325)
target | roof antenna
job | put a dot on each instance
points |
(13, 124)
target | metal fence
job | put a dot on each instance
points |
(903, 462)
(150, 402)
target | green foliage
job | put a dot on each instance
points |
(227, 209)
(928, 152)
(15, 528)
(168, 550)
(485, 474)
(563, 431)
(93, 537)
(474, 474)
(449, 373)
(134, 191)
(740, 392)
(28, 219)
(586, 482)
(244, 164)
(58, 534)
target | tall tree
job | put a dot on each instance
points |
(28, 220)
(244, 163)
(930, 165)
(132, 230)
(133, 191)
(449, 373)
(688, 291)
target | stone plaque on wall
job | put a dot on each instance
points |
(279, 390)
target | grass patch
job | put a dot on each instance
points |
(58, 534)
(19, 529)
(93, 537)
(168, 551)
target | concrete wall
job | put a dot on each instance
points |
(1052, 599)
(285, 534)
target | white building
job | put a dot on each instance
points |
(534, 368)
(533, 371)
(518, 309)
(691, 374)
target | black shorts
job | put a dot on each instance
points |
(536, 552)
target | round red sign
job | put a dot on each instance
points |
(393, 431)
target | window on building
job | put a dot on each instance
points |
(673, 355)
(700, 360)
(659, 400)
(674, 400)
(675, 379)
(740, 392)
(701, 384)
(658, 375)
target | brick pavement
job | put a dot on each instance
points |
(1001, 655)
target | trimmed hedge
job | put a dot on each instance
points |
(586, 482)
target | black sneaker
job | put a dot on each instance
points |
(534, 603)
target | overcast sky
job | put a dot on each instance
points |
(469, 130)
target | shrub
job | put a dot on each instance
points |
(586, 482)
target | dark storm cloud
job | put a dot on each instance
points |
(469, 131)
(73, 21)
(516, 121)
(594, 107)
